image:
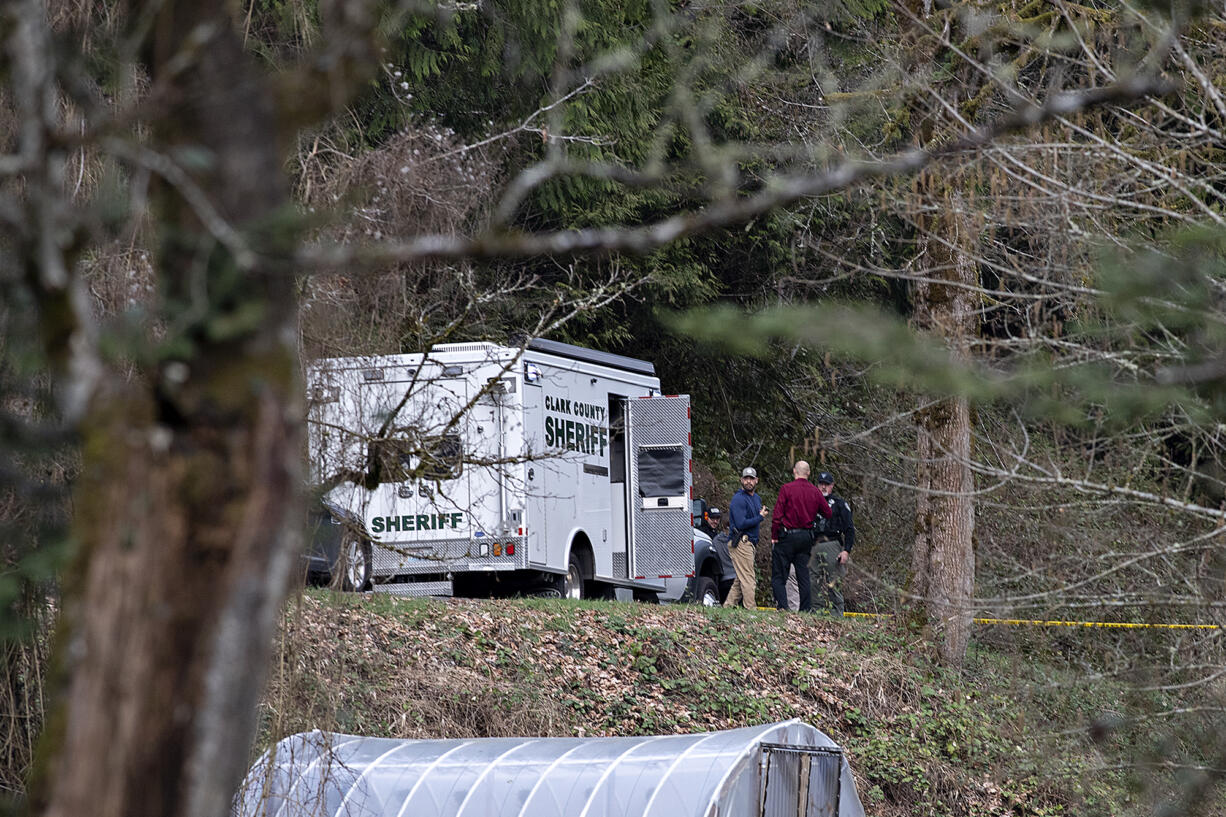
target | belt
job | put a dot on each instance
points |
(787, 531)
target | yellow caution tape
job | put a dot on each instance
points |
(1119, 625)
(1122, 625)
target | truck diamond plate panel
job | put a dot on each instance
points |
(448, 554)
(416, 589)
(661, 420)
(664, 544)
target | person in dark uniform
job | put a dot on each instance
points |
(719, 543)
(709, 523)
(792, 527)
(835, 538)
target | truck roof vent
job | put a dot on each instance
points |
(460, 347)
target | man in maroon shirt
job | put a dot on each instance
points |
(792, 527)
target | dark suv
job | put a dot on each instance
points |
(338, 550)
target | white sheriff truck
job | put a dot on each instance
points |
(484, 469)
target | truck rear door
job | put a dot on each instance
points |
(422, 506)
(658, 439)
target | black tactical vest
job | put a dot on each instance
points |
(831, 528)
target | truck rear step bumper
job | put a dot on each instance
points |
(418, 589)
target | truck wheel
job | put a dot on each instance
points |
(706, 592)
(353, 568)
(572, 582)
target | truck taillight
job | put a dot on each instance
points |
(498, 548)
(510, 548)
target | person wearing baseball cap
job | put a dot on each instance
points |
(745, 514)
(711, 518)
(835, 538)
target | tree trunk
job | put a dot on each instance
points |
(943, 562)
(186, 519)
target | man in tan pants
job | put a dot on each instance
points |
(745, 514)
(743, 586)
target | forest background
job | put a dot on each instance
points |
(965, 255)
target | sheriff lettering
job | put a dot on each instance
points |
(415, 522)
(576, 435)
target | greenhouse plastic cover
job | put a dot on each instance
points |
(713, 773)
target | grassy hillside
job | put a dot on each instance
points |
(1009, 736)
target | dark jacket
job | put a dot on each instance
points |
(720, 545)
(839, 526)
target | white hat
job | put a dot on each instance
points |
(749, 472)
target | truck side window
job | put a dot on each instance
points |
(438, 458)
(392, 458)
(444, 458)
(661, 471)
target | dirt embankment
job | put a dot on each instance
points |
(921, 741)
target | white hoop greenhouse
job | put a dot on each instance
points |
(787, 768)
